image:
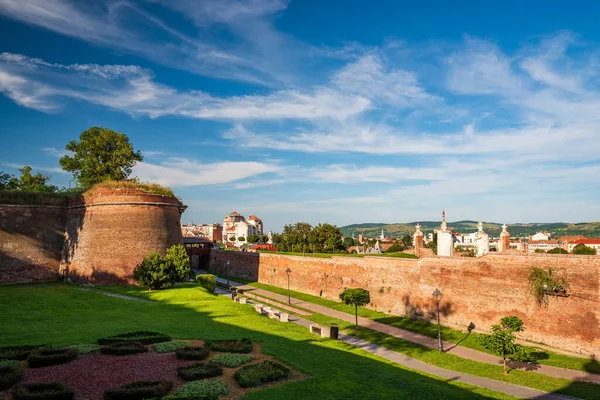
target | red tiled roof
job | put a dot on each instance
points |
(254, 217)
(587, 241)
(550, 241)
(234, 213)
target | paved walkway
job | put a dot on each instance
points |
(463, 352)
(409, 362)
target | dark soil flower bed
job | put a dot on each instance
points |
(192, 353)
(199, 371)
(48, 356)
(144, 337)
(43, 391)
(123, 349)
(10, 373)
(139, 390)
(231, 346)
(17, 352)
(259, 374)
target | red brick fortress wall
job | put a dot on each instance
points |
(31, 242)
(111, 230)
(479, 290)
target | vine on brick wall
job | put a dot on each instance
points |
(544, 282)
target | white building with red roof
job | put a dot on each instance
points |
(235, 227)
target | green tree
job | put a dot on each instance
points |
(407, 240)
(502, 340)
(357, 298)
(557, 250)
(252, 238)
(27, 182)
(5, 181)
(433, 244)
(100, 155)
(582, 249)
(396, 247)
(348, 242)
(242, 239)
(177, 264)
(151, 271)
(539, 251)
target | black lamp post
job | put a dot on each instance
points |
(287, 271)
(437, 295)
(303, 243)
(227, 273)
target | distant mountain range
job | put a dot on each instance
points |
(557, 229)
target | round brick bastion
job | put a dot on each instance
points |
(110, 230)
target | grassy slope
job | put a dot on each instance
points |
(428, 329)
(59, 315)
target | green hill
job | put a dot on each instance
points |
(557, 229)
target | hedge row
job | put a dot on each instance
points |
(10, 373)
(144, 337)
(231, 346)
(43, 391)
(199, 371)
(49, 356)
(139, 390)
(192, 353)
(18, 352)
(123, 349)
(258, 374)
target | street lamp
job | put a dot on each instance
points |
(303, 243)
(287, 271)
(227, 273)
(437, 295)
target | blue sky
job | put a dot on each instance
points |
(338, 111)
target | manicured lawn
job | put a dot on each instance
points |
(329, 255)
(61, 314)
(429, 329)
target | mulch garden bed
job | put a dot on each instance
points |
(91, 374)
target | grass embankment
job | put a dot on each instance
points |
(150, 188)
(60, 314)
(428, 329)
(398, 254)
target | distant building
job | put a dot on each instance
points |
(212, 232)
(235, 226)
(593, 243)
(540, 236)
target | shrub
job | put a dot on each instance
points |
(123, 349)
(192, 353)
(231, 346)
(85, 348)
(209, 388)
(258, 374)
(177, 264)
(557, 250)
(10, 373)
(144, 337)
(151, 271)
(43, 391)
(207, 281)
(502, 340)
(49, 356)
(231, 360)
(18, 352)
(167, 347)
(199, 371)
(582, 249)
(139, 390)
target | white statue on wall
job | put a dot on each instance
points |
(270, 237)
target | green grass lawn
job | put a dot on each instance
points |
(429, 329)
(60, 314)
(398, 254)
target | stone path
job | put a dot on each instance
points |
(119, 296)
(401, 359)
(460, 351)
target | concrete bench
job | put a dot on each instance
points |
(258, 308)
(322, 331)
(241, 300)
(284, 317)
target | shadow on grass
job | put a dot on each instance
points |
(60, 314)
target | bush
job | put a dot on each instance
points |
(582, 249)
(123, 349)
(209, 388)
(192, 353)
(557, 250)
(199, 371)
(167, 347)
(207, 281)
(139, 390)
(10, 373)
(177, 264)
(152, 271)
(182, 397)
(231, 346)
(43, 391)
(258, 374)
(232, 360)
(85, 348)
(18, 352)
(49, 356)
(144, 337)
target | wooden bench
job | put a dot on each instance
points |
(322, 331)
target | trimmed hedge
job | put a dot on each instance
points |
(258, 374)
(192, 353)
(183, 397)
(167, 347)
(144, 337)
(231, 360)
(43, 391)
(207, 281)
(199, 371)
(86, 348)
(50, 356)
(231, 346)
(139, 390)
(203, 389)
(123, 349)
(10, 373)
(18, 352)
